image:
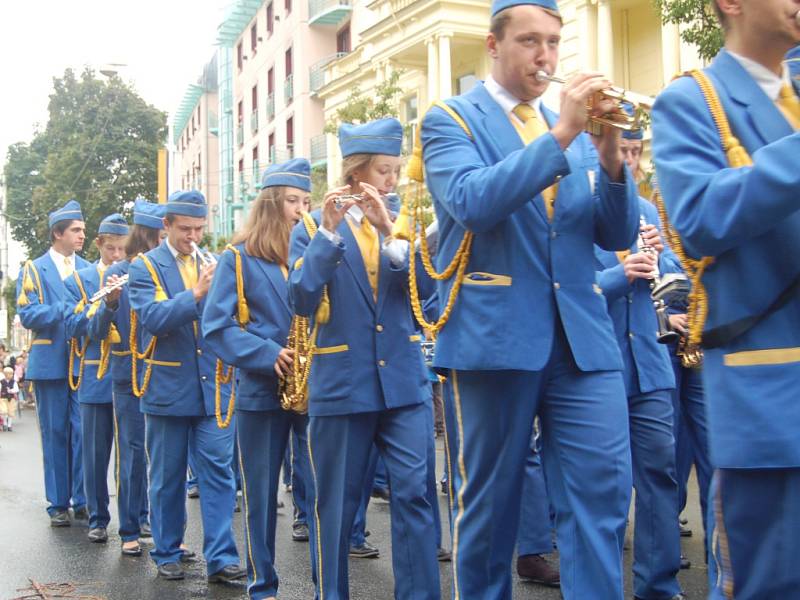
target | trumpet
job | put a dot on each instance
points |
(206, 258)
(620, 119)
(107, 289)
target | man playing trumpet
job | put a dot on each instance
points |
(529, 332)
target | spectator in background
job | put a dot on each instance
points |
(9, 390)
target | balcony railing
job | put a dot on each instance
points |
(317, 71)
(328, 12)
(256, 175)
(319, 150)
(271, 107)
(254, 121)
(288, 89)
(279, 155)
(240, 134)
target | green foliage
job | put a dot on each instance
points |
(10, 294)
(100, 147)
(699, 25)
(319, 185)
(361, 109)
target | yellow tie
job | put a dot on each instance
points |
(188, 270)
(368, 244)
(68, 268)
(532, 127)
(789, 104)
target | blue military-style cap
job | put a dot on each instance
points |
(295, 173)
(384, 136)
(499, 5)
(149, 214)
(113, 224)
(71, 211)
(636, 134)
(188, 203)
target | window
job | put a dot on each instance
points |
(271, 81)
(239, 56)
(241, 168)
(288, 6)
(288, 63)
(254, 37)
(241, 111)
(270, 18)
(290, 132)
(198, 115)
(255, 154)
(271, 147)
(412, 111)
(466, 83)
(343, 39)
(254, 95)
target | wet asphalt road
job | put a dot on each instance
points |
(29, 548)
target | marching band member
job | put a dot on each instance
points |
(251, 275)
(40, 305)
(524, 332)
(113, 314)
(725, 144)
(649, 381)
(94, 390)
(367, 383)
(167, 288)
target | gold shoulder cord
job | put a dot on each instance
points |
(74, 344)
(30, 283)
(148, 353)
(293, 390)
(412, 213)
(221, 375)
(737, 157)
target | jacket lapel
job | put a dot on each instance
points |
(273, 273)
(383, 278)
(502, 134)
(48, 272)
(354, 260)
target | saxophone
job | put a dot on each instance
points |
(293, 388)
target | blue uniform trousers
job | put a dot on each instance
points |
(381, 476)
(60, 427)
(191, 473)
(691, 434)
(586, 452)
(755, 534)
(358, 533)
(431, 493)
(535, 525)
(262, 436)
(656, 537)
(97, 425)
(168, 439)
(300, 473)
(131, 464)
(339, 449)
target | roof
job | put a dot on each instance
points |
(237, 17)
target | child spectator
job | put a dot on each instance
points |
(9, 390)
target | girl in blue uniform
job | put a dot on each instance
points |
(246, 321)
(367, 383)
(112, 321)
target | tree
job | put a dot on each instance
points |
(699, 25)
(99, 146)
(360, 109)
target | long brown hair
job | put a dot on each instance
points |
(266, 232)
(141, 238)
(353, 163)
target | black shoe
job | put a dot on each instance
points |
(60, 519)
(367, 533)
(443, 555)
(683, 520)
(280, 503)
(534, 568)
(685, 531)
(381, 493)
(145, 531)
(365, 550)
(171, 571)
(300, 532)
(193, 492)
(685, 563)
(98, 535)
(137, 551)
(227, 575)
(443, 485)
(187, 556)
(287, 488)
(80, 514)
(237, 507)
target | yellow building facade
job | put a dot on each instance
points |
(439, 49)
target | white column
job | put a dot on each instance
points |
(670, 51)
(586, 18)
(433, 70)
(445, 71)
(605, 39)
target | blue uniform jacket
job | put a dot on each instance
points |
(368, 356)
(748, 219)
(182, 382)
(50, 345)
(92, 390)
(254, 349)
(100, 324)
(647, 363)
(524, 272)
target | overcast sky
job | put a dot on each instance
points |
(164, 44)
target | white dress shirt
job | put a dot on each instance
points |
(508, 101)
(768, 81)
(64, 269)
(395, 250)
